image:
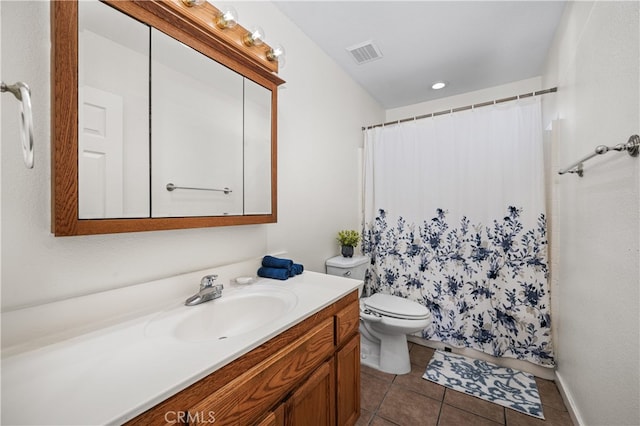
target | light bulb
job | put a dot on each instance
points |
(227, 18)
(276, 53)
(191, 3)
(254, 37)
(438, 85)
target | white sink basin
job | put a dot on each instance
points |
(233, 314)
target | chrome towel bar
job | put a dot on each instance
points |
(632, 147)
(22, 93)
(172, 187)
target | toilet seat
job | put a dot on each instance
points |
(395, 307)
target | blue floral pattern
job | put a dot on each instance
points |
(485, 285)
(501, 385)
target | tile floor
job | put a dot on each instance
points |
(410, 400)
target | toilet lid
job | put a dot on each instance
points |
(397, 307)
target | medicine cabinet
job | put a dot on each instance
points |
(159, 121)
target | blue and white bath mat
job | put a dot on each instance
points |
(504, 386)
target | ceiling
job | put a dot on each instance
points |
(471, 45)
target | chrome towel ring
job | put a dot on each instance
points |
(22, 92)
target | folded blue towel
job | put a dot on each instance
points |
(296, 269)
(276, 262)
(277, 273)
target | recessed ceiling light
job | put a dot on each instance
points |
(438, 85)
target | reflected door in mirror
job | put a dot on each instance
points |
(113, 114)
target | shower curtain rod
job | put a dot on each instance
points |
(464, 108)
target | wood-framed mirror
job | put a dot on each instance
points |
(78, 194)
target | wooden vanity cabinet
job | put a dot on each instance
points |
(306, 375)
(273, 418)
(314, 402)
(348, 382)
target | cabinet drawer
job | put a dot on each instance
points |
(347, 322)
(245, 398)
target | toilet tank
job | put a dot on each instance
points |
(349, 267)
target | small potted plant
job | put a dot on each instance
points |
(348, 239)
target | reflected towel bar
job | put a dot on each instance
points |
(632, 147)
(172, 187)
(22, 93)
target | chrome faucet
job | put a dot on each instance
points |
(208, 291)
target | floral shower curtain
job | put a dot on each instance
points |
(455, 220)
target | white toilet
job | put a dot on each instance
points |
(385, 320)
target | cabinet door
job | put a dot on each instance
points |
(348, 382)
(313, 403)
(113, 114)
(196, 128)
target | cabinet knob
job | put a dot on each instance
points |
(347, 274)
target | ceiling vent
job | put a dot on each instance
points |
(365, 52)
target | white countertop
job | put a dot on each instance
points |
(113, 373)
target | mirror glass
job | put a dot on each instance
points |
(197, 133)
(165, 131)
(257, 148)
(113, 114)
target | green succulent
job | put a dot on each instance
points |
(348, 237)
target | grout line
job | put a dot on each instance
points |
(441, 406)
(385, 395)
(504, 415)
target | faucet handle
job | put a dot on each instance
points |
(208, 281)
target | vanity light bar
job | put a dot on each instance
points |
(225, 21)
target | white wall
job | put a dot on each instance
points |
(320, 115)
(595, 220)
(321, 112)
(489, 94)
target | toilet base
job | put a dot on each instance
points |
(369, 356)
(391, 356)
